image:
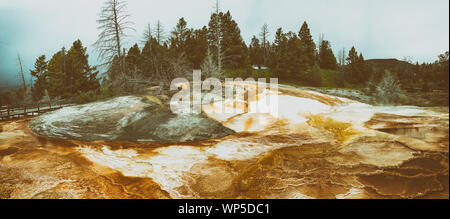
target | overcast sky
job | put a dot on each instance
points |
(379, 29)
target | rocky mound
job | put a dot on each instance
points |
(131, 118)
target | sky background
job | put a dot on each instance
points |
(418, 29)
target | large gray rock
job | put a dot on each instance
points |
(127, 119)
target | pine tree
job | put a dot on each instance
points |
(188, 45)
(255, 53)
(297, 62)
(70, 73)
(327, 60)
(225, 40)
(180, 34)
(80, 75)
(197, 47)
(351, 68)
(356, 71)
(40, 73)
(363, 70)
(56, 75)
(277, 57)
(352, 56)
(155, 60)
(308, 42)
(279, 37)
(287, 57)
(133, 61)
(235, 52)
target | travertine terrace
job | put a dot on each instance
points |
(317, 146)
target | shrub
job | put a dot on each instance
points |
(86, 97)
(315, 76)
(243, 73)
(105, 92)
(332, 78)
(388, 90)
(264, 73)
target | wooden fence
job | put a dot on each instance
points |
(26, 110)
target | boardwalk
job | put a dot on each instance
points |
(22, 111)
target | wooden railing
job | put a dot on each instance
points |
(25, 110)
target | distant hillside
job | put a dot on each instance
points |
(393, 65)
(389, 64)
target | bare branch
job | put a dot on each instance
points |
(113, 23)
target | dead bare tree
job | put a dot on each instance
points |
(159, 32)
(342, 57)
(147, 36)
(321, 39)
(218, 35)
(113, 23)
(21, 73)
(264, 36)
(26, 91)
(209, 67)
